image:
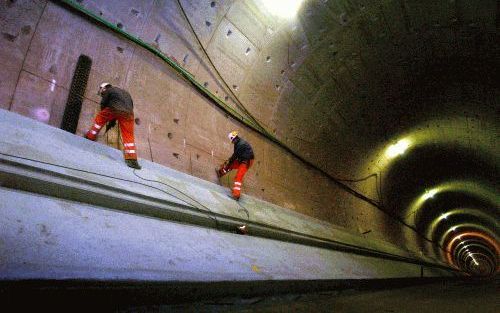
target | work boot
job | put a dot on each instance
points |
(85, 136)
(132, 163)
(243, 229)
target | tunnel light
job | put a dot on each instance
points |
(398, 148)
(444, 216)
(283, 8)
(429, 194)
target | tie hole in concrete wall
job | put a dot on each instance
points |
(343, 19)
(9, 37)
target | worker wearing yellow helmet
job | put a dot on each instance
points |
(241, 160)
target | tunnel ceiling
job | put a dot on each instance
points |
(370, 74)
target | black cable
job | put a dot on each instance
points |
(377, 184)
(359, 179)
(238, 102)
(244, 210)
(183, 193)
(124, 179)
(379, 189)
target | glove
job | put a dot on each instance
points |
(223, 169)
(110, 125)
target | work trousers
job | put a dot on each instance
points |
(242, 168)
(126, 123)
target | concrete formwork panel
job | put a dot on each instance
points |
(17, 23)
(129, 15)
(234, 47)
(249, 20)
(39, 99)
(62, 37)
(201, 12)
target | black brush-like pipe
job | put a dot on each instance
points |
(76, 92)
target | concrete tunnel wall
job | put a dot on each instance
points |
(322, 69)
(39, 64)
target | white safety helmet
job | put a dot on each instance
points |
(232, 135)
(102, 87)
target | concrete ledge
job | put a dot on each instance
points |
(44, 171)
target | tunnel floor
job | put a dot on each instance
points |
(453, 297)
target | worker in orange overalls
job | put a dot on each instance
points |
(241, 160)
(117, 105)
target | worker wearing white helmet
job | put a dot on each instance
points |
(241, 160)
(117, 105)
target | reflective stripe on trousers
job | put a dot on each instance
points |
(238, 180)
(126, 123)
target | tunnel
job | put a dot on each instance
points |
(374, 126)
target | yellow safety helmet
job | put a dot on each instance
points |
(232, 135)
